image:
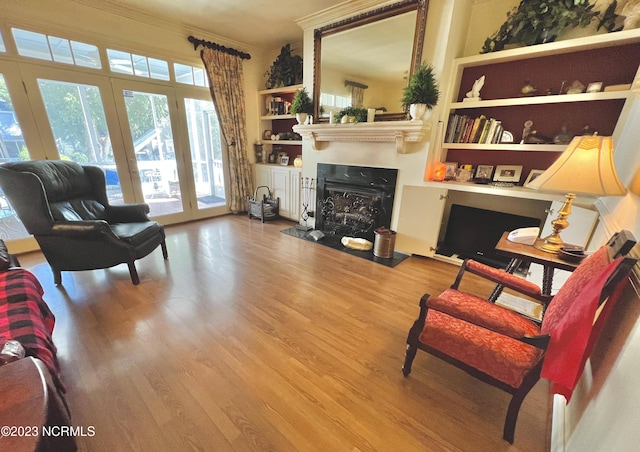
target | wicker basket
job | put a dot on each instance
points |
(267, 208)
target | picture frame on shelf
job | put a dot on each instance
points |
(266, 135)
(284, 160)
(450, 171)
(507, 173)
(594, 87)
(532, 175)
(483, 171)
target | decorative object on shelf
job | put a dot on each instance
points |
(421, 89)
(535, 138)
(284, 160)
(507, 137)
(353, 114)
(532, 175)
(507, 173)
(297, 162)
(439, 171)
(539, 21)
(450, 171)
(528, 89)
(594, 87)
(576, 87)
(585, 167)
(474, 94)
(266, 135)
(483, 172)
(527, 130)
(301, 106)
(371, 114)
(257, 149)
(286, 70)
(463, 175)
(564, 137)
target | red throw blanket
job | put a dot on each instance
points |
(25, 317)
(575, 334)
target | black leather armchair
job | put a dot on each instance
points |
(65, 207)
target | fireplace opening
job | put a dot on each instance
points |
(354, 200)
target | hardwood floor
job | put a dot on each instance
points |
(249, 339)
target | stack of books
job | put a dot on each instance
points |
(463, 129)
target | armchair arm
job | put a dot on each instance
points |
(503, 278)
(127, 213)
(473, 309)
(88, 229)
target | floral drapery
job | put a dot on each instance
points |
(226, 81)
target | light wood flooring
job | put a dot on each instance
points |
(247, 339)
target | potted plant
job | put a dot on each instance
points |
(539, 21)
(421, 93)
(352, 114)
(301, 105)
(286, 70)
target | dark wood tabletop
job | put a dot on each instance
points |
(531, 254)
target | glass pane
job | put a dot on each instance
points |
(198, 75)
(86, 55)
(61, 50)
(206, 152)
(2, 47)
(159, 69)
(31, 44)
(12, 147)
(140, 66)
(79, 126)
(120, 61)
(150, 126)
(183, 73)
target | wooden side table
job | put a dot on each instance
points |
(520, 253)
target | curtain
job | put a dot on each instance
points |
(357, 96)
(226, 81)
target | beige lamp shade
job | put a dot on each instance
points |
(585, 167)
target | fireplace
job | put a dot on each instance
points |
(354, 200)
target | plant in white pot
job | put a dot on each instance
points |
(421, 93)
(301, 105)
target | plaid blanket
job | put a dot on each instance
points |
(26, 318)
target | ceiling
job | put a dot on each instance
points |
(256, 23)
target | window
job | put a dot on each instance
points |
(51, 48)
(189, 75)
(138, 65)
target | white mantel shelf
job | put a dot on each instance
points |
(400, 132)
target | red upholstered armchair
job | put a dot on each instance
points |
(507, 350)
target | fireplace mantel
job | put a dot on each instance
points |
(400, 132)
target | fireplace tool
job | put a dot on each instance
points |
(306, 190)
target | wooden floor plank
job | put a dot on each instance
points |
(250, 339)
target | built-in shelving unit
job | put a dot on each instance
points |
(278, 123)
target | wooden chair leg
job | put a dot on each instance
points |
(165, 254)
(134, 273)
(57, 277)
(529, 382)
(410, 354)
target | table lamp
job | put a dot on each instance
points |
(585, 167)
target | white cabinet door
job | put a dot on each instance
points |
(263, 175)
(281, 186)
(419, 219)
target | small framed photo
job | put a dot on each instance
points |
(594, 87)
(284, 160)
(484, 171)
(266, 135)
(533, 174)
(507, 173)
(450, 172)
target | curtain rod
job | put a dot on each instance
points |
(212, 45)
(356, 84)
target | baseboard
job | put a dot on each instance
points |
(558, 424)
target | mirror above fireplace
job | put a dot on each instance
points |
(363, 51)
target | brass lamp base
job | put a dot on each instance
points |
(553, 242)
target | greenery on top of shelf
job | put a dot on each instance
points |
(539, 21)
(286, 70)
(422, 88)
(301, 102)
(358, 113)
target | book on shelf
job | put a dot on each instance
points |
(481, 130)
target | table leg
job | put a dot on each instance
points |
(547, 280)
(511, 267)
